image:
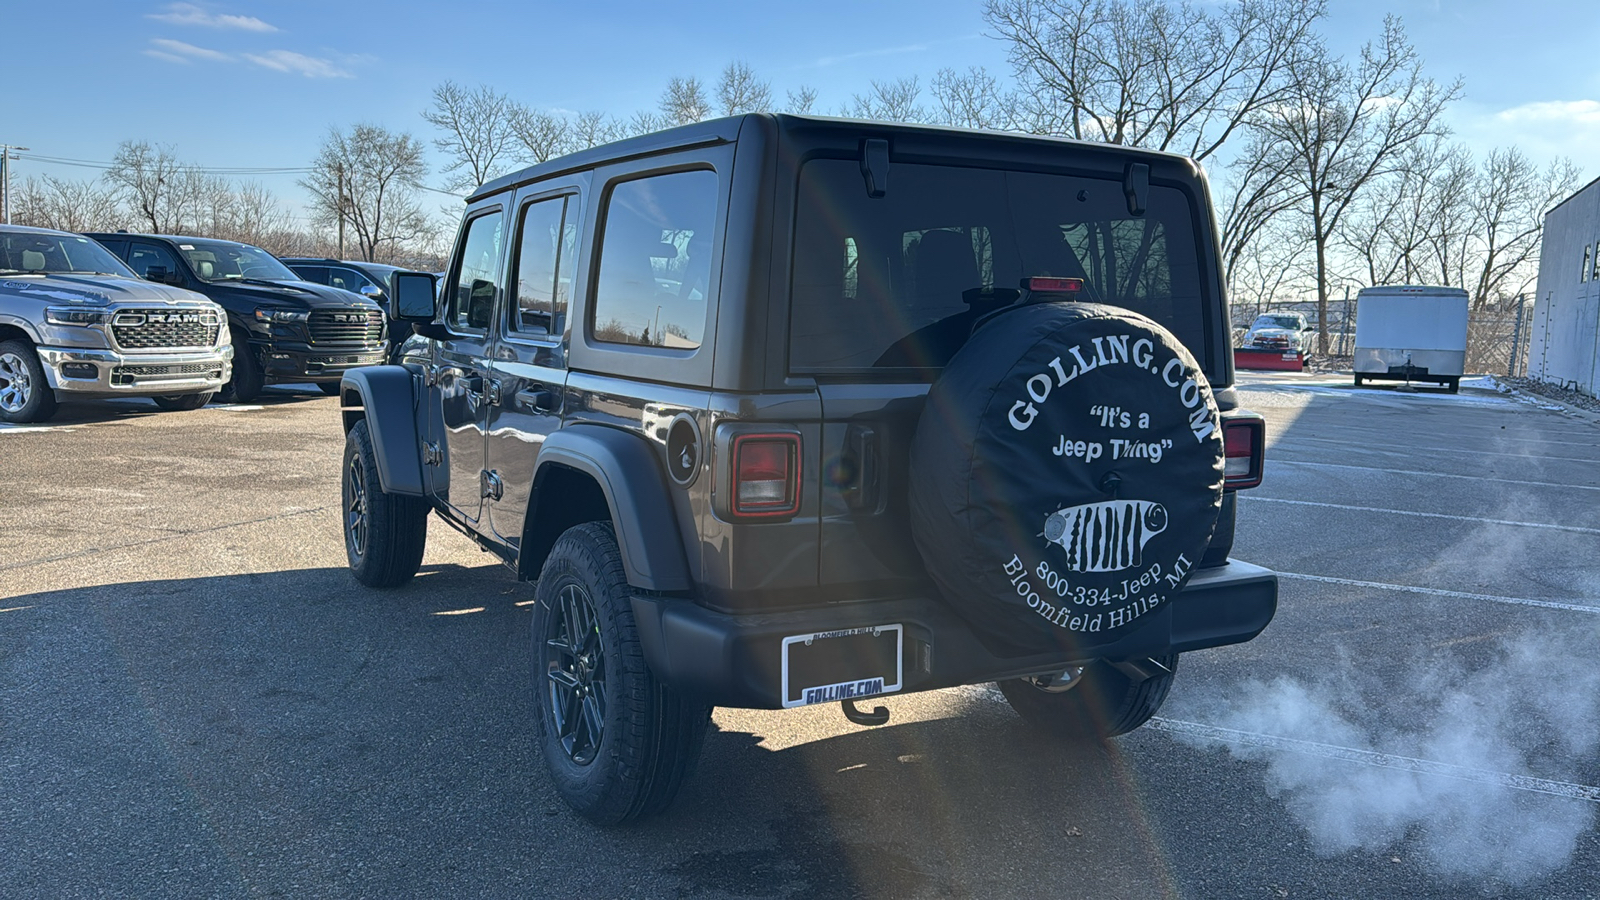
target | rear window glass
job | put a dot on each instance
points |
(896, 282)
(655, 261)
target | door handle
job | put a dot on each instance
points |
(539, 399)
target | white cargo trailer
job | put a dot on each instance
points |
(1411, 333)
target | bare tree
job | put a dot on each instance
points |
(367, 179)
(740, 91)
(593, 128)
(1509, 205)
(66, 204)
(684, 101)
(890, 101)
(479, 132)
(801, 100)
(151, 181)
(973, 99)
(1150, 73)
(1345, 127)
(543, 136)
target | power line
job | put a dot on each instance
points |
(204, 170)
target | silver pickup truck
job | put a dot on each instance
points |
(75, 322)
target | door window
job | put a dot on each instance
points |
(478, 273)
(317, 274)
(144, 256)
(347, 279)
(547, 243)
(655, 261)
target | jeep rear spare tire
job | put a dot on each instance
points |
(1066, 475)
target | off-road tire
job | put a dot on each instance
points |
(331, 388)
(650, 736)
(24, 386)
(384, 534)
(183, 402)
(1105, 703)
(248, 379)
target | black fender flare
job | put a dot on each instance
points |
(629, 474)
(386, 396)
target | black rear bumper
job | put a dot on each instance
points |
(735, 661)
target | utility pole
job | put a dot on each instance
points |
(5, 178)
(341, 210)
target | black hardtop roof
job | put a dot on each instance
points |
(172, 238)
(726, 130)
(343, 262)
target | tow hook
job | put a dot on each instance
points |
(878, 716)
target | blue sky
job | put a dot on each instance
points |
(257, 83)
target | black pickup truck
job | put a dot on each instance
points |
(285, 329)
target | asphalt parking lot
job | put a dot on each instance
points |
(197, 700)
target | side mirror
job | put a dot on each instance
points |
(160, 274)
(414, 297)
(371, 291)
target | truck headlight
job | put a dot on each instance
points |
(66, 315)
(281, 316)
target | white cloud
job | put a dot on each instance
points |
(826, 61)
(1544, 112)
(298, 64)
(178, 51)
(193, 14)
(1543, 129)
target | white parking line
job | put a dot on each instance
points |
(1440, 592)
(1411, 451)
(23, 429)
(1576, 529)
(1555, 484)
(1565, 789)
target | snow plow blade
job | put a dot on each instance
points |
(1292, 361)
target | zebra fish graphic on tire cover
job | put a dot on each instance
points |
(1105, 537)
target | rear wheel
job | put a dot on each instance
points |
(618, 743)
(1107, 700)
(1453, 385)
(384, 534)
(25, 395)
(183, 402)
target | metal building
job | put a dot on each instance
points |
(1566, 314)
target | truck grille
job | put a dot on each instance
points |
(132, 374)
(346, 326)
(164, 329)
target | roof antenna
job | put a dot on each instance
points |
(875, 166)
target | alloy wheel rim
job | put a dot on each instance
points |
(575, 677)
(355, 507)
(15, 384)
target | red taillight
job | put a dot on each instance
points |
(1243, 439)
(1042, 285)
(766, 474)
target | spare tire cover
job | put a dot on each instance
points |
(1066, 474)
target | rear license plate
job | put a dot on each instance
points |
(830, 666)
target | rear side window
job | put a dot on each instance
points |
(547, 241)
(898, 281)
(477, 281)
(655, 261)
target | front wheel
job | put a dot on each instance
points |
(248, 379)
(1106, 701)
(618, 743)
(384, 534)
(183, 402)
(25, 395)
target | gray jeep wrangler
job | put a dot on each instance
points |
(780, 411)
